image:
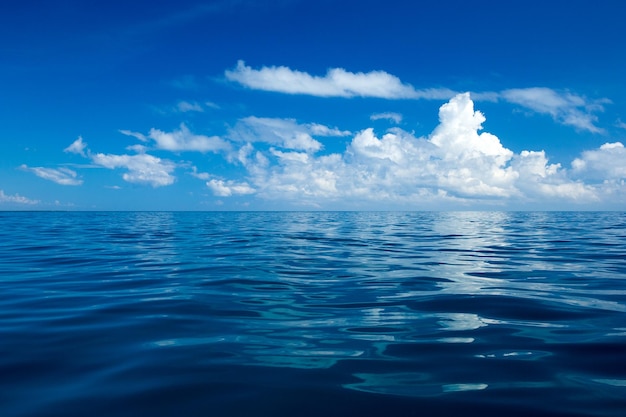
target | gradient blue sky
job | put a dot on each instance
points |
(305, 105)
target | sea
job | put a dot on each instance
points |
(291, 314)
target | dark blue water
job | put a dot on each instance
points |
(312, 314)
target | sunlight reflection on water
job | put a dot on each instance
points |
(413, 305)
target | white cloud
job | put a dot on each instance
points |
(317, 129)
(16, 198)
(137, 148)
(457, 133)
(535, 164)
(566, 108)
(286, 133)
(62, 176)
(491, 96)
(142, 168)
(605, 163)
(135, 135)
(471, 163)
(183, 140)
(538, 179)
(186, 106)
(393, 117)
(394, 146)
(180, 140)
(77, 147)
(336, 83)
(200, 175)
(456, 164)
(229, 188)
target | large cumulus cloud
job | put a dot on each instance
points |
(456, 163)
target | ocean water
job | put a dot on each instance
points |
(312, 314)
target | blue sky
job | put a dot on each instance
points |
(302, 105)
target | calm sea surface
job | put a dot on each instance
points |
(312, 314)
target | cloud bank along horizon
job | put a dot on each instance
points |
(284, 162)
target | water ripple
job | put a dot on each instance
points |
(129, 313)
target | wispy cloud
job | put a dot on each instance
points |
(336, 83)
(77, 147)
(16, 199)
(200, 175)
(136, 135)
(286, 133)
(229, 188)
(317, 129)
(566, 108)
(180, 16)
(393, 117)
(181, 140)
(189, 106)
(142, 168)
(62, 176)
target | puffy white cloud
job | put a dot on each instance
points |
(301, 180)
(336, 83)
(460, 160)
(223, 188)
(607, 162)
(456, 164)
(457, 134)
(183, 140)
(142, 168)
(77, 147)
(396, 146)
(566, 108)
(286, 133)
(535, 163)
(394, 117)
(16, 198)
(537, 179)
(62, 176)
